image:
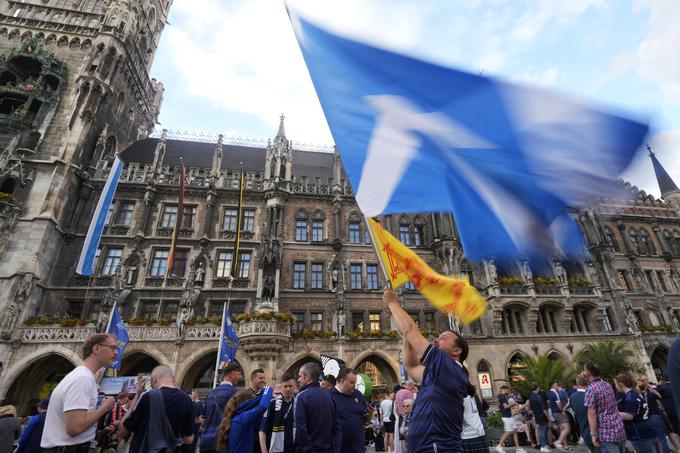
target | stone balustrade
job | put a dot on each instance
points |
(76, 334)
(263, 327)
(44, 334)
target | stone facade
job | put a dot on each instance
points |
(304, 246)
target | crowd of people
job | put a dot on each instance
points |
(309, 412)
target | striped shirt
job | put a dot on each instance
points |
(600, 396)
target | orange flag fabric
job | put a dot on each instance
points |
(452, 295)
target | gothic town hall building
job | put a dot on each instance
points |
(75, 90)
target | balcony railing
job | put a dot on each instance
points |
(513, 289)
(78, 334)
(547, 289)
(582, 290)
(263, 327)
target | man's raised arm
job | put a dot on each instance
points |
(406, 325)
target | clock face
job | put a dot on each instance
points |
(331, 368)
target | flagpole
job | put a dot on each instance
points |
(108, 327)
(225, 310)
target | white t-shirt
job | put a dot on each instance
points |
(386, 409)
(77, 390)
(472, 424)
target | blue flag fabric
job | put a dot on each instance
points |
(230, 342)
(507, 160)
(117, 328)
(94, 232)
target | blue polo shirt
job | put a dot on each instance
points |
(437, 418)
(640, 427)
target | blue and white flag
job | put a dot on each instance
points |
(229, 340)
(94, 233)
(507, 160)
(117, 328)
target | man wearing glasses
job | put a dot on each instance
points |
(71, 422)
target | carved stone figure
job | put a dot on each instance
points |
(493, 272)
(631, 321)
(131, 275)
(333, 285)
(11, 316)
(560, 274)
(268, 288)
(182, 319)
(526, 273)
(341, 324)
(675, 275)
(594, 275)
(199, 274)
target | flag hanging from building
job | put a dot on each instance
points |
(178, 223)
(239, 221)
(229, 341)
(94, 232)
(506, 159)
(453, 295)
(117, 328)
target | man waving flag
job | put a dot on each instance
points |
(507, 160)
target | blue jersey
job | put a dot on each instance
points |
(640, 427)
(437, 418)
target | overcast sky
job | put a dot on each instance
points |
(233, 66)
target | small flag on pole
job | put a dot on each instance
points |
(453, 295)
(178, 223)
(229, 343)
(117, 328)
(94, 232)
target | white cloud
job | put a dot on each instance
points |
(657, 55)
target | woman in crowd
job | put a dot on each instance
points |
(10, 428)
(242, 412)
(639, 429)
(473, 435)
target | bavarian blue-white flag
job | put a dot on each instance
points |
(506, 159)
(117, 328)
(230, 342)
(94, 233)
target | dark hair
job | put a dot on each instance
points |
(234, 402)
(312, 369)
(255, 372)
(554, 382)
(581, 381)
(231, 368)
(592, 368)
(462, 343)
(504, 386)
(344, 372)
(94, 340)
(287, 376)
(330, 379)
(534, 386)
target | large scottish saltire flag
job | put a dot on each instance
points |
(94, 232)
(506, 159)
(117, 328)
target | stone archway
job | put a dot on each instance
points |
(515, 366)
(379, 370)
(557, 356)
(37, 381)
(137, 362)
(659, 359)
(295, 366)
(200, 375)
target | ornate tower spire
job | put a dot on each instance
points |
(282, 130)
(669, 190)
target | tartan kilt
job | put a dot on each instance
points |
(476, 445)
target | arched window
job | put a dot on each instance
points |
(8, 185)
(120, 103)
(419, 231)
(654, 318)
(611, 239)
(301, 223)
(646, 243)
(318, 220)
(634, 240)
(548, 319)
(354, 228)
(513, 320)
(152, 17)
(405, 230)
(582, 320)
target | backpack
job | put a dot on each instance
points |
(159, 435)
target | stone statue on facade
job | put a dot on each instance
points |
(631, 321)
(675, 276)
(334, 281)
(268, 288)
(131, 275)
(561, 274)
(199, 274)
(182, 319)
(525, 272)
(594, 275)
(493, 272)
(341, 324)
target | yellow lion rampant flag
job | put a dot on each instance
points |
(452, 295)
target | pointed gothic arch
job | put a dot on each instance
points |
(380, 368)
(659, 359)
(200, 373)
(294, 365)
(138, 362)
